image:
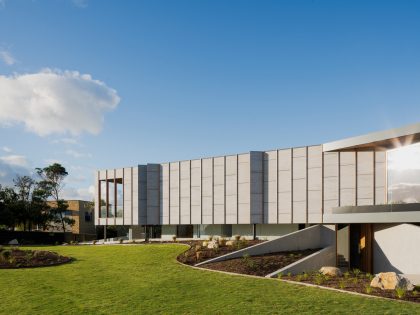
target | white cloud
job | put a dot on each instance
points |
(6, 56)
(66, 141)
(7, 149)
(80, 3)
(77, 154)
(15, 160)
(53, 101)
(79, 193)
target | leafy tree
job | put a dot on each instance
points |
(52, 182)
(8, 205)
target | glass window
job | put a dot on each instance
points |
(404, 174)
(111, 198)
(102, 191)
(120, 197)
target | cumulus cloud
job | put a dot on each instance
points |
(6, 56)
(7, 149)
(14, 160)
(54, 101)
(86, 193)
(77, 154)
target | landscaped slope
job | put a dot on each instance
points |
(147, 279)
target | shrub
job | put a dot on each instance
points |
(305, 276)
(174, 238)
(197, 247)
(346, 274)
(121, 240)
(400, 292)
(1, 248)
(222, 241)
(289, 274)
(342, 284)
(370, 276)
(94, 242)
(299, 277)
(211, 238)
(355, 280)
(280, 275)
(368, 289)
(356, 272)
(249, 263)
(237, 237)
(319, 279)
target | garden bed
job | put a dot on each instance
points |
(354, 281)
(260, 265)
(11, 258)
(198, 253)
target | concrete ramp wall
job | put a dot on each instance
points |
(324, 257)
(317, 236)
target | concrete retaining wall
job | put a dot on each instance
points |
(317, 236)
(324, 257)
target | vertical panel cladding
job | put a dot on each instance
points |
(244, 191)
(128, 191)
(299, 185)
(315, 184)
(257, 186)
(142, 195)
(219, 190)
(174, 193)
(164, 193)
(331, 181)
(270, 187)
(185, 191)
(136, 194)
(97, 203)
(380, 178)
(196, 192)
(365, 178)
(347, 178)
(284, 186)
(153, 194)
(231, 189)
(207, 191)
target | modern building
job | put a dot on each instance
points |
(367, 188)
(82, 213)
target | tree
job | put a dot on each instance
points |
(8, 203)
(31, 206)
(52, 181)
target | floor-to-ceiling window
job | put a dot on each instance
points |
(102, 198)
(111, 198)
(120, 197)
(404, 174)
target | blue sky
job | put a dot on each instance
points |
(101, 84)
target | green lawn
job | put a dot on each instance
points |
(146, 279)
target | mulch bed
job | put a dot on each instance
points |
(259, 265)
(11, 258)
(190, 257)
(355, 282)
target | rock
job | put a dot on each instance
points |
(331, 271)
(14, 242)
(213, 245)
(229, 243)
(391, 281)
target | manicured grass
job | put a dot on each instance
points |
(146, 279)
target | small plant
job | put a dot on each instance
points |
(5, 255)
(346, 274)
(400, 292)
(289, 274)
(369, 276)
(280, 275)
(319, 279)
(291, 255)
(356, 272)
(198, 255)
(368, 289)
(197, 247)
(342, 284)
(237, 237)
(211, 238)
(121, 241)
(174, 238)
(305, 276)
(250, 264)
(299, 277)
(415, 293)
(222, 241)
(355, 280)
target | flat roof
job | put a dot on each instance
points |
(380, 140)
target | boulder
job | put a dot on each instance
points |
(229, 243)
(331, 271)
(14, 242)
(391, 281)
(213, 244)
